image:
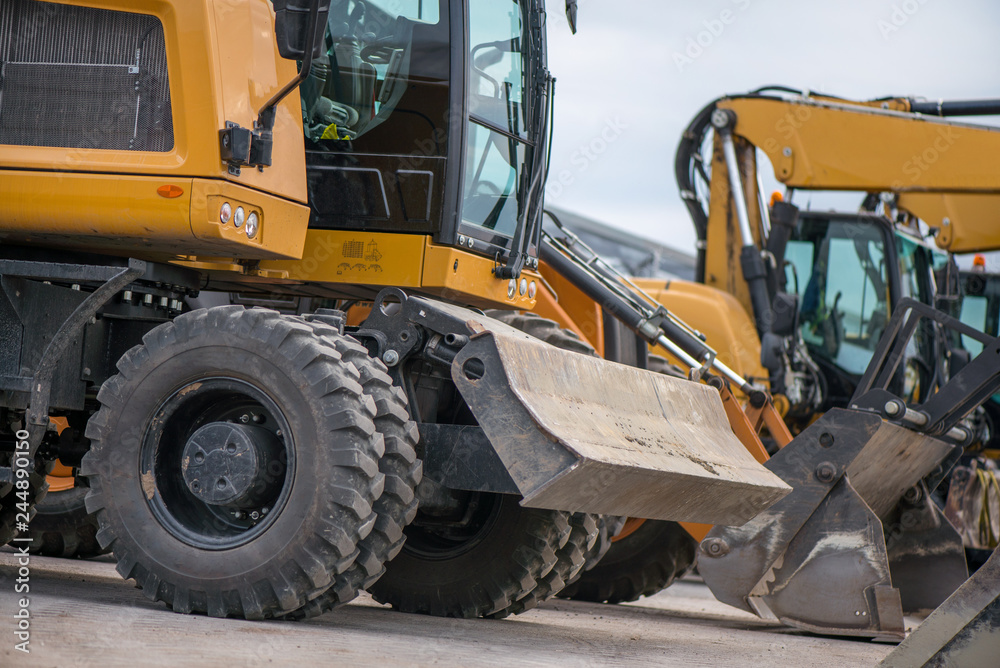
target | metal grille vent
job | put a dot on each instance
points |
(79, 77)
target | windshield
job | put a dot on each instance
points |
(839, 272)
(916, 266)
(359, 81)
(498, 153)
(980, 307)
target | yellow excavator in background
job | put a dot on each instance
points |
(811, 366)
(829, 292)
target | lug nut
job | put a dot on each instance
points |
(255, 515)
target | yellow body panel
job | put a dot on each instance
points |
(969, 223)
(719, 316)
(125, 215)
(457, 276)
(826, 145)
(373, 260)
(217, 53)
(359, 258)
(223, 65)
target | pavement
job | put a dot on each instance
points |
(83, 614)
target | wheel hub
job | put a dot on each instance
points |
(227, 464)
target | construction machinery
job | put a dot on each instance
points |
(829, 293)
(253, 463)
(246, 462)
(858, 541)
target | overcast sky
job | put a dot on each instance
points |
(629, 81)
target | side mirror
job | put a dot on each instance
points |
(292, 19)
(571, 14)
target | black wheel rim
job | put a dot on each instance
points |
(178, 510)
(432, 539)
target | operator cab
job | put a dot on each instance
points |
(415, 123)
(836, 263)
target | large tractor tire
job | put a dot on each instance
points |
(62, 527)
(570, 560)
(608, 527)
(234, 464)
(639, 564)
(397, 506)
(544, 329)
(475, 567)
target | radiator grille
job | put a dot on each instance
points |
(79, 77)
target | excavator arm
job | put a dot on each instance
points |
(942, 171)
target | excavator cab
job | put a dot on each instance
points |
(841, 268)
(401, 138)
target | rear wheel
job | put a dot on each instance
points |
(570, 560)
(640, 564)
(474, 564)
(62, 526)
(234, 464)
(544, 329)
(608, 527)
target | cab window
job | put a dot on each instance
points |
(498, 151)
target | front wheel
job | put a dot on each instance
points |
(234, 464)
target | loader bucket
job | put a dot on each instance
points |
(855, 544)
(964, 631)
(578, 433)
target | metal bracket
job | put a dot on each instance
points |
(41, 385)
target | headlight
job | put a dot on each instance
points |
(225, 213)
(252, 223)
(239, 217)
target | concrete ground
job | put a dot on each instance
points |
(84, 614)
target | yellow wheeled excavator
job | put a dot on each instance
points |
(253, 463)
(843, 300)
